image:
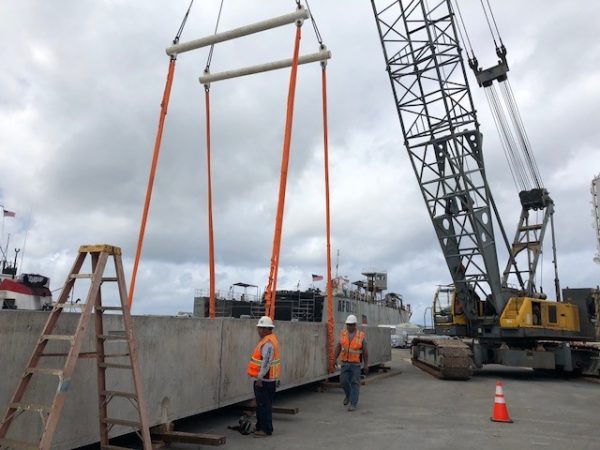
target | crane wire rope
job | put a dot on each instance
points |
(517, 120)
(495, 23)
(502, 142)
(460, 16)
(508, 138)
(487, 19)
(212, 47)
(314, 24)
(164, 105)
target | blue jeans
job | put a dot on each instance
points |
(350, 381)
(264, 395)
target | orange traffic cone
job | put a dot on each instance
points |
(500, 412)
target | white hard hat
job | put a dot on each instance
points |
(265, 322)
(351, 319)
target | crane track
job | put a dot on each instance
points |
(449, 359)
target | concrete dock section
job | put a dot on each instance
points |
(189, 366)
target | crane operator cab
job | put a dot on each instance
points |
(448, 314)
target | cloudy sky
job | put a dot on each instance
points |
(80, 92)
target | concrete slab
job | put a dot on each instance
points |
(189, 366)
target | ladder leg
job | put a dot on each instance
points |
(41, 345)
(98, 265)
(101, 373)
(133, 354)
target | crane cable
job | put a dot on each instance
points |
(212, 47)
(211, 241)
(314, 24)
(521, 131)
(271, 290)
(164, 105)
(491, 14)
(468, 41)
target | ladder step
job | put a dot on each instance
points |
(116, 355)
(12, 443)
(114, 366)
(109, 308)
(125, 423)
(56, 372)
(58, 337)
(119, 394)
(110, 279)
(30, 407)
(81, 275)
(113, 337)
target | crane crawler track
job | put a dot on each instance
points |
(449, 359)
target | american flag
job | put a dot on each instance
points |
(317, 277)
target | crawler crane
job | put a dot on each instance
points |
(486, 316)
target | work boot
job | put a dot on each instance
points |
(352, 408)
(346, 401)
(260, 434)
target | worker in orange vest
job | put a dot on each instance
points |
(264, 367)
(352, 348)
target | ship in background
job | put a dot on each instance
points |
(23, 291)
(367, 299)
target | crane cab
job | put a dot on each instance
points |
(448, 315)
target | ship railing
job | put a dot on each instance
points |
(227, 295)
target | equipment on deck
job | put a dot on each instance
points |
(492, 318)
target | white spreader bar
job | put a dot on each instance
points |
(300, 14)
(281, 64)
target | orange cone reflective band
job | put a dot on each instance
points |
(270, 292)
(161, 123)
(500, 412)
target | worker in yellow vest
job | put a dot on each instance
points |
(264, 367)
(352, 351)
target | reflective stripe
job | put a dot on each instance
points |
(500, 400)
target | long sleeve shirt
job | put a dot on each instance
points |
(267, 359)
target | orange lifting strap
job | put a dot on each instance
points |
(272, 284)
(211, 244)
(161, 123)
(330, 324)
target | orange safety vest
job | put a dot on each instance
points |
(256, 359)
(352, 351)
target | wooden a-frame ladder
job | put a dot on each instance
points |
(50, 412)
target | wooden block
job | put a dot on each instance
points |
(276, 409)
(189, 438)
